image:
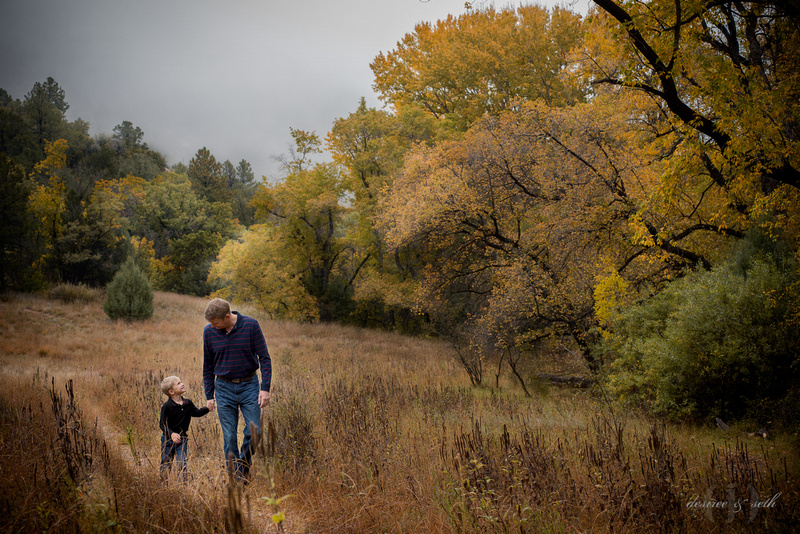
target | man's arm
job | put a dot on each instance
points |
(208, 371)
(259, 347)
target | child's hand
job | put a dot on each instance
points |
(176, 438)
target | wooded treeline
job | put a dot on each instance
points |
(625, 183)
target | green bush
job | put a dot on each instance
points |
(129, 296)
(714, 343)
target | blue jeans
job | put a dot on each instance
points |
(178, 451)
(230, 399)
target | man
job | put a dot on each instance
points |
(233, 350)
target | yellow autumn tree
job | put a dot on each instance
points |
(724, 77)
(481, 62)
(304, 221)
(47, 201)
(370, 145)
(258, 268)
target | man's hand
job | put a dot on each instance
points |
(211, 404)
(263, 399)
(176, 438)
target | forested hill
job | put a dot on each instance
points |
(624, 185)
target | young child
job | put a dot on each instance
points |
(176, 414)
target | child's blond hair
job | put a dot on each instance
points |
(168, 383)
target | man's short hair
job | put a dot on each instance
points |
(217, 309)
(169, 383)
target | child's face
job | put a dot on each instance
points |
(178, 388)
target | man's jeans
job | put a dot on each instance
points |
(230, 399)
(178, 451)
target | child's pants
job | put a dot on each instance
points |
(170, 450)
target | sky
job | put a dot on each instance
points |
(230, 75)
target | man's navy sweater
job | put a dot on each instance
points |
(235, 354)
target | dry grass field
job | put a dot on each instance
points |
(368, 432)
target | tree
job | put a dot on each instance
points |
(371, 144)
(724, 72)
(45, 107)
(244, 174)
(206, 176)
(309, 217)
(480, 62)
(129, 295)
(718, 343)
(186, 232)
(77, 239)
(303, 223)
(16, 139)
(229, 173)
(141, 162)
(260, 267)
(244, 188)
(305, 145)
(129, 136)
(519, 219)
(48, 205)
(15, 227)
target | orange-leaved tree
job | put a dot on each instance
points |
(481, 61)
(530, 208)
(724, 75)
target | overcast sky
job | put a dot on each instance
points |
(230, 75)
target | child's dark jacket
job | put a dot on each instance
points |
(175, 418)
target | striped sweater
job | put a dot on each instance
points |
(235, 354)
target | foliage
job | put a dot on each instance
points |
(45, 106)
(519, 217)
(128, 135)
(256, 268)
(242, 183)
(371, 145)
(15, 226)
(185, 230)
(307, 241)
(129, 296)
(718, 343)
(205, 174)
(611, 294)
(481, 62)
(725, 73)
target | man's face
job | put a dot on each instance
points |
(222, 323)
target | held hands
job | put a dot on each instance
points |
(211, 404)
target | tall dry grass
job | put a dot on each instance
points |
(367, 432)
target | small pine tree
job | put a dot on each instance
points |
(129, 296)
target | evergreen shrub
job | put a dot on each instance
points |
(129, 296)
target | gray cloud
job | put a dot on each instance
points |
(233, 76)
